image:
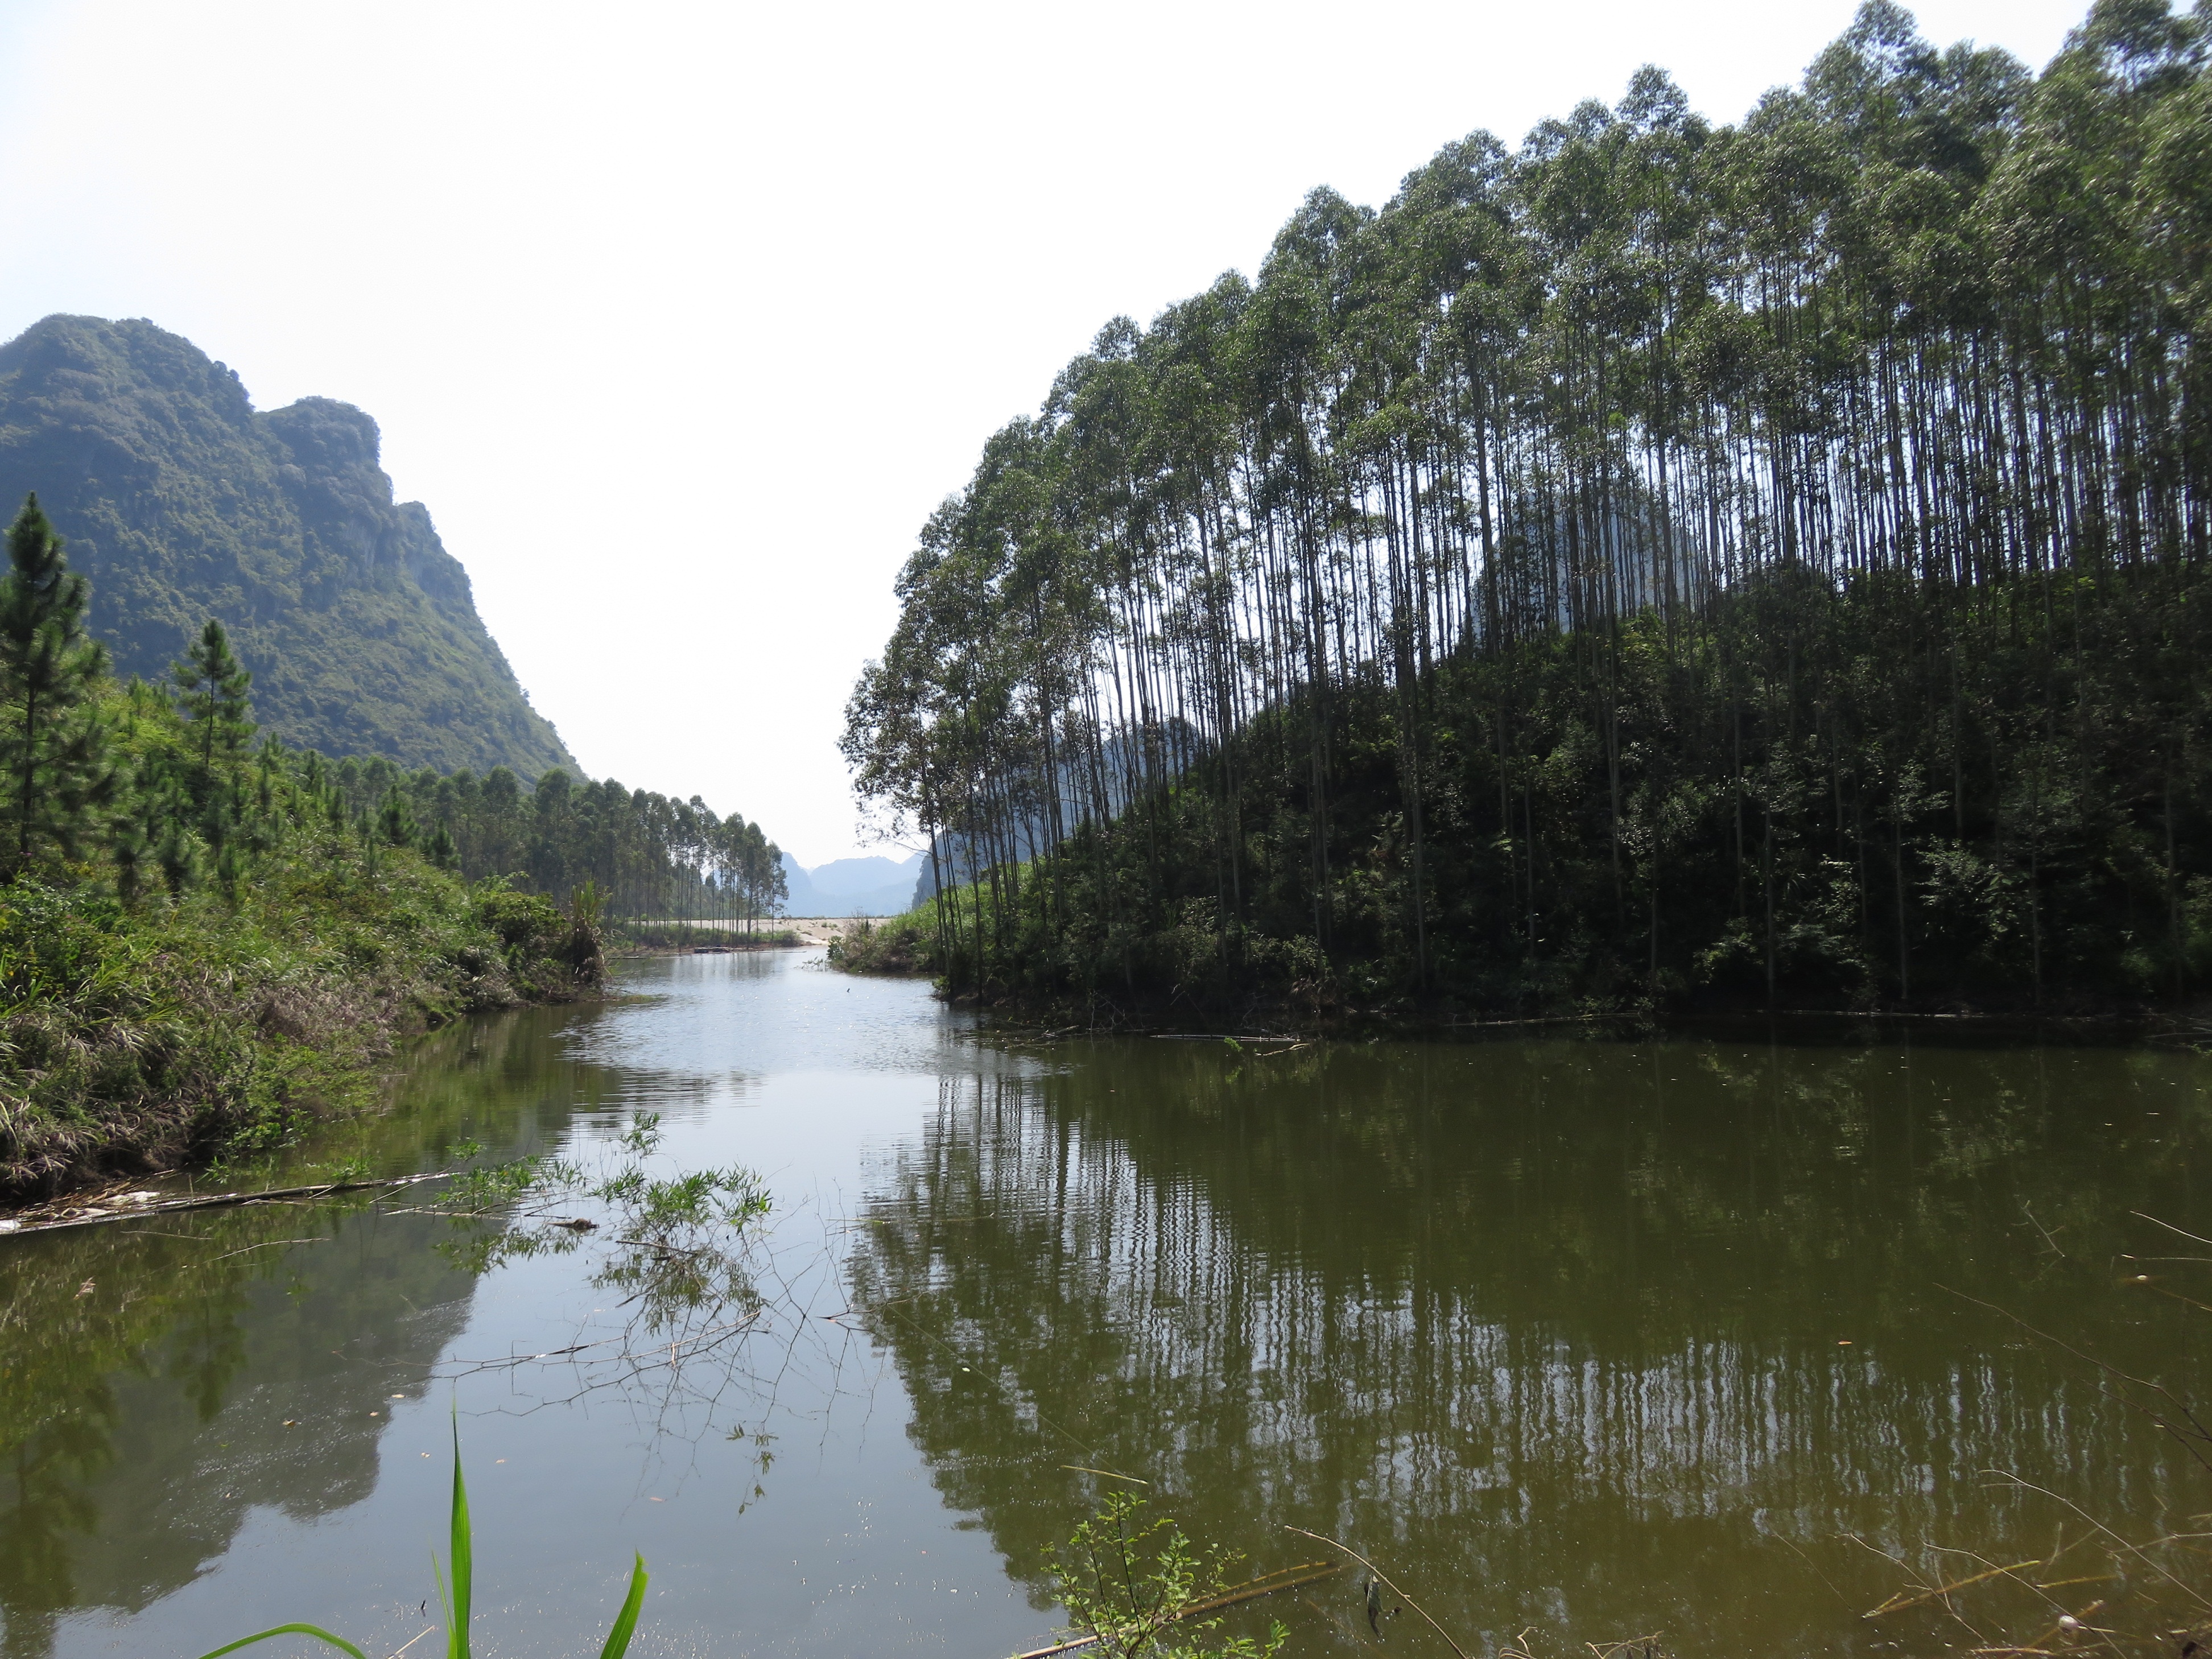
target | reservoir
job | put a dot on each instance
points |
(1728, 1338)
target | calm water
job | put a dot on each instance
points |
(1602, 1339)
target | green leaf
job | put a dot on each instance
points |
(315, 1631)
(626, 1620)
(457, 1627)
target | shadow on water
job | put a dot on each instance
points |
(1601, 1337)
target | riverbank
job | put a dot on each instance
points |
(692, 938)
(136, 1039)
(1319, 1004)
(680, 939)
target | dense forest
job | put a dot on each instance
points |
(203, 933)
(181, 502)
(1667, 563)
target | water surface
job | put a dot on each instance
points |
(1598, 1338)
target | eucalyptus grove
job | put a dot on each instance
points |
(651, 856)
(1764, 557)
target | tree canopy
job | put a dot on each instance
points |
(1660, 557)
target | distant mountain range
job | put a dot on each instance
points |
(853, 887)
(183, 502)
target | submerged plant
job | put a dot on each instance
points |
(1134, 1586)
(455, 1596)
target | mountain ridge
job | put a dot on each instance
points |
(181, 502)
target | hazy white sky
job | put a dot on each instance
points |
(682, 317)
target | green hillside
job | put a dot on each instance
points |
(181, 502)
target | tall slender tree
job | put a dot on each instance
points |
(53, 745)
(214, 689)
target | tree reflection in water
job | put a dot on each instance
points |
(127, 1465)
(217, 1363)
(1601, 1337)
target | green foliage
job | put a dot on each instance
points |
(625, 853)
(315, 1631)
(1666, 564)
(213, 688)
(679, 1243)
(201, 942)
(181, 502)
(143, 1037)
(899, 944)
(52, 750)
(226, 972)
(1136, 1588)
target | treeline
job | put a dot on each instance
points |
(1663, 561)
(163, 789)
(652, 857)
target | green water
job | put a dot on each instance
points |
(1600, 1339)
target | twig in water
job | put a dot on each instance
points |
(2132, 1549)
(1904, 1599)
(2193, 1238)
(1385, 1578)
(2029, 1210)
(266, 1244)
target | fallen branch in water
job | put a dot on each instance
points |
(133, 1206)
(1306, 1573)
(1384, 1579)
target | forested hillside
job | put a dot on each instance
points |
(204, 934)
(181, 502)
(1665, 562)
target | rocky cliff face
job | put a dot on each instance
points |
(181, 502)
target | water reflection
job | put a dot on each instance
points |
(1578, 1334)
(163, 1378)
(1555, 1329)
(140, 1428)
(192, 1443)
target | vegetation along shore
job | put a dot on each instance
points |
(1664, 566)
(206, 941)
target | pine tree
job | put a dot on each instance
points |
(54, 743)
(395, 823)
(212, 684)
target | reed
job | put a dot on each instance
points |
(454, 1594)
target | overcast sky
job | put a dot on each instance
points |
(682, 317)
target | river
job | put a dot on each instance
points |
(1594, 1338)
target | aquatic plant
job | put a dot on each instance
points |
(1134, 1586)
(454, 1594)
